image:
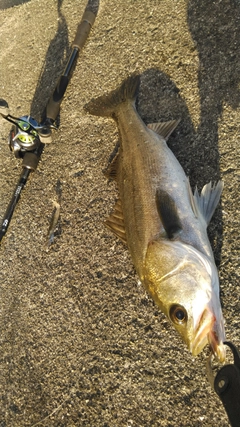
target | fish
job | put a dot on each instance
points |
(163, 222)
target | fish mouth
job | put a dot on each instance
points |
(217, 346)
(206, 333)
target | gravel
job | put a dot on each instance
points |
(81, 342)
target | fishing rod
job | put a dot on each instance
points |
(27, 137)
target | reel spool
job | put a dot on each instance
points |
(26, 135)
(23, 137)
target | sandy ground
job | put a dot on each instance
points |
(81, 342)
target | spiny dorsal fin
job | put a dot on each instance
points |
(207, 201)
(168, 214)
(111, 171)
(192, 201)
(115, 222)
(164, 129)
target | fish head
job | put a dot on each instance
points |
(184, 283)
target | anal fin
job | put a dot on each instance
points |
(112, 169)
(115, 222)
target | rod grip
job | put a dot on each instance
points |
(53, 105)
(30, 160)
(84, 29)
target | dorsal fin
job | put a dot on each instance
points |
(192, 201)
(168, 214)
(207, 201)
(164, 129)
(115, 222)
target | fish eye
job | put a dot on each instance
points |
(178, 314)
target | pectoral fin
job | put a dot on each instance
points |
(115, 222)
(168, 214)
(164, 129)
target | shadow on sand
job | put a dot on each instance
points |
(215, 28)
(55, 61)
(5, 4)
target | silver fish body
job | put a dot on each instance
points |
(164, 223)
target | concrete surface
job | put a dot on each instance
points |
(81, 342)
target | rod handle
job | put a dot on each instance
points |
(53, 105)
(84, 29)
(30, 160)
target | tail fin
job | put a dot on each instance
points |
(107, 105)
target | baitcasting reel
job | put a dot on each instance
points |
(23, 136)
(26, 133)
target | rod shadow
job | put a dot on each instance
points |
(55, 61)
